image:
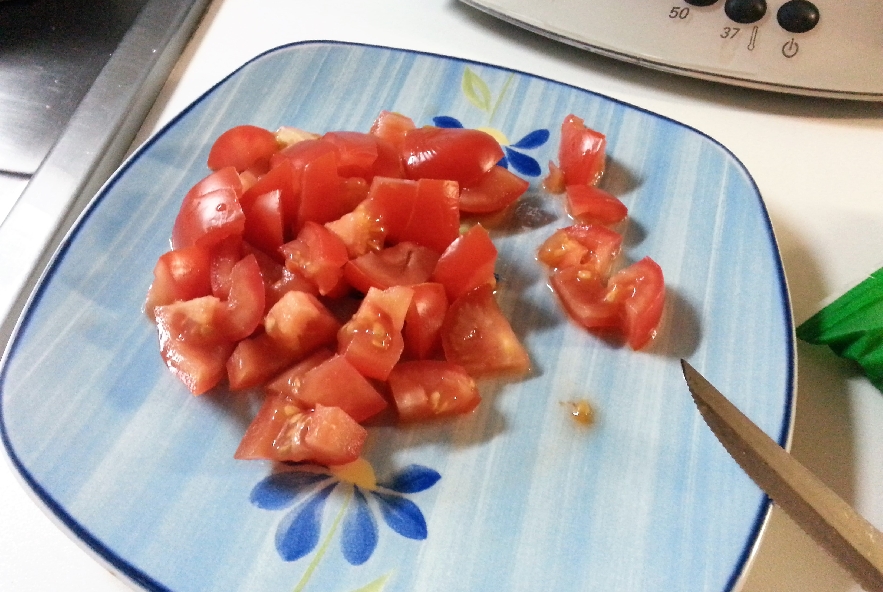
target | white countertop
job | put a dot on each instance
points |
(817, 163)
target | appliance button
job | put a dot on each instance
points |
(700, 2)
(745, 11)
(798, 16)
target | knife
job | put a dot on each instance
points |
(833, 523)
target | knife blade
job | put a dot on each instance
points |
(854, 542)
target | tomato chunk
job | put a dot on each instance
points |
(403, 264)
(477, 336)
(467, 263)
(423, 321)
(581, 153)
(207, 219)
(392, 127)
(245, 304)
(456, 154)
(583, 293)
(428, 389)
(181, 274)
(591, 205)
(594, 248)
(300, 323)
(495, 190)
(372, 339)
(640, 290)
(243, 147)
(336, 383)
(318, 255)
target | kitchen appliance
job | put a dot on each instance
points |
(826, 48)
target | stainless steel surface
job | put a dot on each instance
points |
(97, 136)
(839, 529)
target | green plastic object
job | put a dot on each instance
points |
(852, 326)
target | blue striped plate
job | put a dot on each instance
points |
(516, 496)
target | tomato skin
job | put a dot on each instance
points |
(265, 223)
(245, 303)
(403, 264)
(372, 339)
(477, 336)
(304, 152)
(289, 381)
(423, 321)
(581, 153)
(356, 153)
(285, 179)
(321, 191)
(318, 255)
(592, 247)
(467, 263)
(495, 190)
(427, 389)
(207, 219)
(255, 360)
(243, 147)
(591, 205)
(640, 290)
(180, 274)
(225, 178)
(336, 383)
(457, 154)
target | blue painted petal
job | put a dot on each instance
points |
(445, 121)
(298, 533)
(503, 162)
(402, 515)
(523, 163)
(281, 489)
(412, 479)
(359, 536)
(534, 139)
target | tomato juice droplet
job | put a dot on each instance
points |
(581, 412)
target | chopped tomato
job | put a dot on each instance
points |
(300, 323)
(356, 153)
(360, 231)
(192, 342)
(255, 360)
(336, 383)
(554, 181)
(493, 191)
(318, 255)
(304, 152)
(477, 336)
(321, 191)
(265, 222)
(372, 339)
(243, 147)
(392, 127)
(423, 321)
(592, 247)
(207, 219)
(285, 179)
(282, 431)
(180, 274)
(427, 389)
(583, 293)
(289, 381)
(225, 255)
(225, 178)
(591, 205)
(245, 303)
(467, 263)
(581, 153)
(640, 292)
(403, 264)
(456, 154)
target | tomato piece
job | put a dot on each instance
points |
(423, 321)
(372, 339)
(581, 153)
(225, 178)
(458, 154)
(495, 190)
(592, 247)
(264, 223)
(300, 323)
(245, 303)
(583, 294)
(639, 290)
(208, 218)
(255, 360)
(392, 127)
(336, 383)
(467, 263)
(477, 336)
(287, 136)
(180, 274)
(192, 343)
(391, 202)
(404, 264)
(389, 160)
(281, 431)
(318, 255)
(243, 147)
(435, 219)
(591, 205)
(360, 231)
(356, 153)
(304, 152)
(321, 191)
(285, 179)
(426, 389)
(554, 182)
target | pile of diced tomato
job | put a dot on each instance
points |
(581, 257)
(332, 272)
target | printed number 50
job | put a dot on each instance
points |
(679, 12)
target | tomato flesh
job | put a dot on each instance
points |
(456, 154)
(428, 389)
(591, 205)
(582, 152)
(467, 263)
(243, 147)
(495, 190)
(640, 290)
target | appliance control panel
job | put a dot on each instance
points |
(831, 48)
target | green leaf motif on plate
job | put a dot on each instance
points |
(476, 90)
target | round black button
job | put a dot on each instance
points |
(700, 2)
(798, 16)
(745, 11)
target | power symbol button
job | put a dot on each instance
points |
(789, 50)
